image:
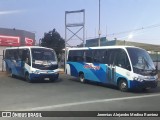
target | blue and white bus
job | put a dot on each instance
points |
(124, 66)
(32, 63)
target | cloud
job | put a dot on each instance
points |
(10, 12)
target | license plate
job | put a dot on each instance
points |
(46, 78)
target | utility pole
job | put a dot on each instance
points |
(99, 31)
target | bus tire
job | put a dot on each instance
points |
(27, 78)
(81, 78)
(123, 85)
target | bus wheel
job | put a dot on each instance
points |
(27, 78)
(123, 85)
(81, 78)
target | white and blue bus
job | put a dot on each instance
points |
(124, 66)
(32, 63)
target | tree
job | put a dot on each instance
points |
(53, 40)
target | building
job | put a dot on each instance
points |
(14, 37)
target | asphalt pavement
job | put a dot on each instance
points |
(68, 94)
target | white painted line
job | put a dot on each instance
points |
(88, 102)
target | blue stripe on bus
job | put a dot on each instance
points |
(92, 74)
(78, 67)
(98, 73)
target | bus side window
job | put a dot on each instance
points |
(11, 57)
(122, 60)
(88, 56)
(26, 56)
(20, 52)
(7, 54)
(111, 55)
(76, 56)
(15, 53)
(98, 56)
(70, 55)
(106, 58)
(80, 56)
(28, 60)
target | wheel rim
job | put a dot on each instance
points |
(123, 86)
(81, 78)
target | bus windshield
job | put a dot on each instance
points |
(141, 62)
(43, 58)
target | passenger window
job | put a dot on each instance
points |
(111, 55)
(16, 55)
(88, 56)
(122, 60)
(98, 56)
(76, 56)
(26, 56)
(28, 60)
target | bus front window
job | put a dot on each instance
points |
(141, 62)
(43, 58)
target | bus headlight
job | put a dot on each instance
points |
(36, 72)
(140, 79)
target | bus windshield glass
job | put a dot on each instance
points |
(43, 57)
(141, 61)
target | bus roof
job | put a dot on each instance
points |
(102, 47)
(22, 47)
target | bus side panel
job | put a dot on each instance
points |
(122, 73)
(12, 65)
(94, 72)
(68, 70)
(7, 65)
(98, 72)
(19, 68)
(27, 69)
(74, 69)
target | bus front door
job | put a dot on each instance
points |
(111, 68)
(111, 74)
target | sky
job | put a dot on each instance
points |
(132, 20)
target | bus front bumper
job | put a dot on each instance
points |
(42, 76)
(143, 84)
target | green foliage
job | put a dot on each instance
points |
(53, 40)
